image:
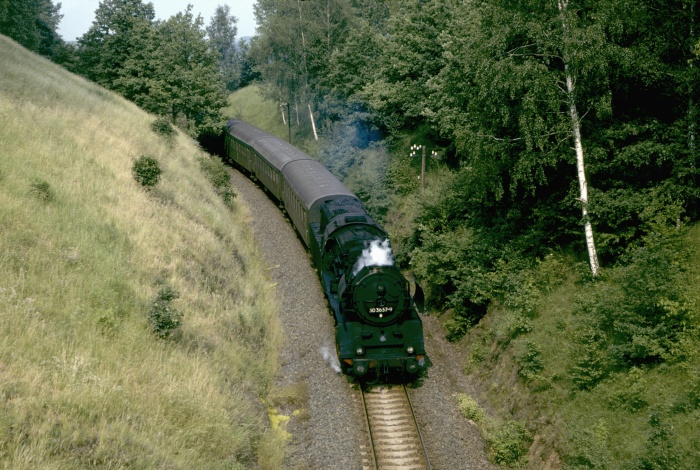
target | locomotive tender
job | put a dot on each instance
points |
(377, 329)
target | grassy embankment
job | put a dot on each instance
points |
(84, 251)
(249, 105)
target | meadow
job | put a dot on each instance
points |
(87, 255)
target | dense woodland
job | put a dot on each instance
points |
(561, 128)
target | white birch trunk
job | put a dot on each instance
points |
(313, 123)
(692, 108)
(578, 147)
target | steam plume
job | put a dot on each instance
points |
(330, 358)
(378, 253)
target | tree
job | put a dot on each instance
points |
(576, 132)
(222, 36)
(249, 72)
(186, 74)
(409, 57)
(32, 23)
(294, 45)
(109, 43)
(167, 68)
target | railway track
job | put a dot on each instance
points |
(394, 438)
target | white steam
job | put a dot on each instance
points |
(330, 358)
(378, 253)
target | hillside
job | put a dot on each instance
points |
(90, 261)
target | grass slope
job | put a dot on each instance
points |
(251, 106)
(84, 251)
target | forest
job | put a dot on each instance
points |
(561, 140)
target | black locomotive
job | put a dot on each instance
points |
(378, 331)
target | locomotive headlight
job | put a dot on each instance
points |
(410, 350)
(359, 351)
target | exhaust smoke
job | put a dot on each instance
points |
(378, 253)
(330, 358)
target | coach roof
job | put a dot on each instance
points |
(276, 151)
(313, 184)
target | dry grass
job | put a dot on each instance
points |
(83, 252)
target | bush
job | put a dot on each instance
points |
(41, 190)
(508, 442)
(628, 393)
(592, 363)
(469, 408)
(530, 362)
(163, 317)
(146, 171)
(162, 127)
(218, 175)
(640, 309)
(661, 452)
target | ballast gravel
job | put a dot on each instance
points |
(327, 429)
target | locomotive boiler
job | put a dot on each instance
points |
(378, 331)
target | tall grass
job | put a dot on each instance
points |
(84, 250)
(249, 105)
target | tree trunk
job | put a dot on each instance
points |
(692, 108)
(578, 147)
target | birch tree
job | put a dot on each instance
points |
(578, 144)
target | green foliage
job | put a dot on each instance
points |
(660, 452)
(146, 171)
(402, 177)
(218, 175)
(589, 448)
(592, 362)
(470, 408)
(164, 318)
(41, 190)
(33, 24)
(166, 67)
(222, 36)
(530, 362)
(690, 400)
(507, 441)
(628, 393)
(639, 315)
(162, 127)
(120, 28)
(450, 265)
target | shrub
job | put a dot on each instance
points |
(628, 393)
(469, 408)
(218, 175)
(588, 447)
(41, 190)
(163, 317)
(162, 127)
(592, 363)
(146, 171)
(508, 442)
(661, 452)
(530, 362)
(640, 309)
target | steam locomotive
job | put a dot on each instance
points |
(377, 329)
